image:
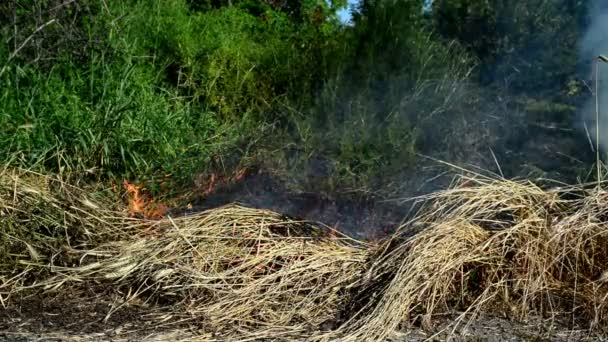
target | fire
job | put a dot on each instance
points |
(216, 180)
(211, 185)
(136, 202)
(240, 175)
(140, 204)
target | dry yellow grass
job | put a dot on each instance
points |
(41, 218)
(501, 246)
(233, 268)
(493, 246)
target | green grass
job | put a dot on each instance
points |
(167, 92)
(148, 90)
(140, 89)
(113, 116)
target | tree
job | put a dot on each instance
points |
(526, 45)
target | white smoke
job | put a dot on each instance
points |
(594, 44)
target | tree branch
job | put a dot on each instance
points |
(25, 42)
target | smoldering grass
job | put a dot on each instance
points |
(233, 267)
(483, 246)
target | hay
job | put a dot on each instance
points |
(41, 218)
(501, 246)
(236, 271)
(232, 268)
(495, 246)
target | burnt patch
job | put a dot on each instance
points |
(361, 218)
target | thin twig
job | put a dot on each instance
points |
(27, 40)
(497, 164)
(597, 122)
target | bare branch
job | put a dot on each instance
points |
(25, 42)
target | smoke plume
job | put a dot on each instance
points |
(594, 44)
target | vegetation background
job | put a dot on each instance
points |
(171, 96)
(161, 91)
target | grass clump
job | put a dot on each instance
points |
(232, 268)
(158, 89)
(493, 247)
(41, 219)
(485, 246)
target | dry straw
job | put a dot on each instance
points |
(233, 268)
(41, 219)
(493, 246)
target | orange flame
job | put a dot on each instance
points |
(240, 175)
(143, 205)
(211, 185)
(136, 202)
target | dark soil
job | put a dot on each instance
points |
(74, 318)
(72, 313)
(498, 329)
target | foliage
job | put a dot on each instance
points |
(373, 112)
(529, 46)
(138, 89)
(162, 91)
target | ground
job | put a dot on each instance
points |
(65, 318)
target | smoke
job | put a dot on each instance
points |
(593, 44)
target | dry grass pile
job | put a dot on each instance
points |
(41, 218)
(237, 271)
(494, 246)
(234, 269)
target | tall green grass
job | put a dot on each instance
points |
(158, 88)
(396, 86)
(140, 89)
(111, 116)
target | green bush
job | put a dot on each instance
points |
(113, 112)
(140, 89)
(395, 88)
(114, 117)
(231, 61)
(164, 91)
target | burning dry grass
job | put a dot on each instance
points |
(233, 268)
(493, 246)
